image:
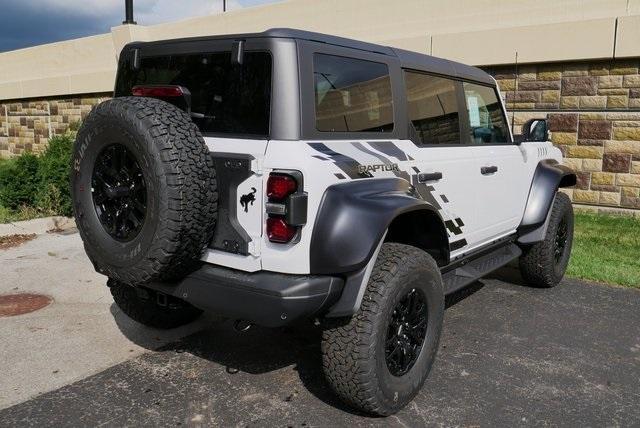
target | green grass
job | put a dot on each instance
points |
(606, 248)
(24, 213)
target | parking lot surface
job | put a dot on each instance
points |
(509, 355)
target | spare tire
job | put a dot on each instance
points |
(144, 190)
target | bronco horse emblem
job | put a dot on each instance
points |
(248, 198)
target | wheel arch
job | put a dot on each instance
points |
(424, 229)
(355, 216)
(549, 176)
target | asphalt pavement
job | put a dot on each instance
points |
(509, 356)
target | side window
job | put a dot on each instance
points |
(487, 124)
(352, 95)
(433, 108)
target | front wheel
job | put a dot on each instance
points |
(544, 263)
(378, 360)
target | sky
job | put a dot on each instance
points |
(25, 23)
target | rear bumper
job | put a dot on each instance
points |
(265, 298)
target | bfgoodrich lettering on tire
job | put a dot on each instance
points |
(144, 190)
(378, 360)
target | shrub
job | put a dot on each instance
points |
(53, 195)
(32, 186)
(19, 181)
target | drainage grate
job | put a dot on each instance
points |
(18, 304)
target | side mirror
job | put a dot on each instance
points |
(535, 130)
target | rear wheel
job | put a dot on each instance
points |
(378, 360)
(544, 263)
(151, 308)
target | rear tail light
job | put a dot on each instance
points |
(157, 91)
(279, 186)
(279, 231)
(286, 206)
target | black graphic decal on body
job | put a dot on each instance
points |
(383, 159)
(453, 227)
(389, 148)
(456, 245)
(247, 199)
(348, 165)
(426, 192)
(363, 149)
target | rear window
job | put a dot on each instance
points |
(226, 98)
(352, 95)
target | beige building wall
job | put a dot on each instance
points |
(579, 66)
(479, 32)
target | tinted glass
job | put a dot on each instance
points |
(226, 98)
(352, 95)
(486, 120)
(433, 108)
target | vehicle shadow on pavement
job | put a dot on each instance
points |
(262, 350)
(258, 350)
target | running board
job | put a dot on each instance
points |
(472, 270)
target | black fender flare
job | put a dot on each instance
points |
(352, 219)
(547, 179)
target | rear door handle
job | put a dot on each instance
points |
(429, 176)
(485, 170)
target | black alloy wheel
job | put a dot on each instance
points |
(119, 192)
(406, 332)
(560, 241)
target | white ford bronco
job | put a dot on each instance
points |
(287, 176)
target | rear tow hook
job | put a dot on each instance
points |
(241, 325)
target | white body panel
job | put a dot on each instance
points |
(477, 208)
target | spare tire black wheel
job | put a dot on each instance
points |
(144, 190)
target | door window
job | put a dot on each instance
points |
(487, 124)
(352, 95)
(432, 109)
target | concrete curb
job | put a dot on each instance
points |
(39, 226)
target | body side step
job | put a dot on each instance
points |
(469, 272)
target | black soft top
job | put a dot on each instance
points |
(407, 59)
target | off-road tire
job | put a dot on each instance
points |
(353, 349)
(143, 305)
(180, 184)
(538, 265)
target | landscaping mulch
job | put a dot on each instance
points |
(11, 241)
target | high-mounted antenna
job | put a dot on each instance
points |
(515, 94)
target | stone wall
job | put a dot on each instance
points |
(27, 125)
(594, 116)
(593, 109)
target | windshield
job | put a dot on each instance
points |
(226, 98)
